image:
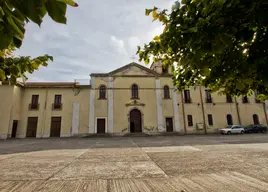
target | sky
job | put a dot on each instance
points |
(100, 36)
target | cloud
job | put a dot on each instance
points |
(98, 37)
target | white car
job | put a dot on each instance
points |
(233, 129)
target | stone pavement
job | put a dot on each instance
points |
(120, 164)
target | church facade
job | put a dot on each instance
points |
(130, 99)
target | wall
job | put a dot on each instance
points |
(45, 112)
(6, 100)
(122, 96)
(16, 108)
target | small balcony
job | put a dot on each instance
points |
(57, 106)
(34, 106)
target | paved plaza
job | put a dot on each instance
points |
(120, 164)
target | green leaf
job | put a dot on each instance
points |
(240, 85)
(192, 29)
(155, 15)
(15, 27)
(14, 70)
(69, 2)
(17, 42)
(148, 11)
(5, 39)
(2, 75)
(57, 10)
(206, 71)
(157, 38)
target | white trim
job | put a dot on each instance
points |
(159, 106)
(177, 124)
(75, 118)
(96, 123)
(110, 105)
(91, 123)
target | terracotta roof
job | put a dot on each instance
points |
(50, 84)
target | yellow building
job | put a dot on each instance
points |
(132, 98)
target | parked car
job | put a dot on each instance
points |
(233, 129)
(256, 128)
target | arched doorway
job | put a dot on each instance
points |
(135, 120)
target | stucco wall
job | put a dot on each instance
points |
(122, 96)
(6, 100)
(45, 112)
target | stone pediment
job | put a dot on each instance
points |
(135, 103)
(133, 69)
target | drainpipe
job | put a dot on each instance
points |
(203, 111)
(265, 113)
(237, 110)
(183, 113)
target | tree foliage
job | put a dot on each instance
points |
(220, 44)
(14, 14)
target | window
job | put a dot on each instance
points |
(57, 102)
(245, 99)
(35, 99)
(166, 92)
(208, 96)
(102, 92)
(134, 92)
(229, 119)
(256, 100)
(187, 97)
(256, 119)
(229, 99)
(210, 119)
(34, 103)
(190, 120)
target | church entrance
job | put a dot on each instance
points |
(135, 121)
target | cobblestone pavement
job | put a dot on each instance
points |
(120, 164)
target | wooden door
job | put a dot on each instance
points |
(100, 125)
(169, 124)
(31, 126)
(55, 127)
(14, 128)
(135, 121)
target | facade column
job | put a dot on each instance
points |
(92, 106)
(176, 110)
(159, 106)
(75, 118)
(110, 104)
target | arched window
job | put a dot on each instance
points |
(256, 119)
(102, 92)
(166, 92)
(134, 92)
(229, 119)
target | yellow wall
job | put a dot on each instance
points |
(45, 112)
(6, 100)
(122, 96)
(14, 105)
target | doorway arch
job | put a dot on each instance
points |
(135, 121)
